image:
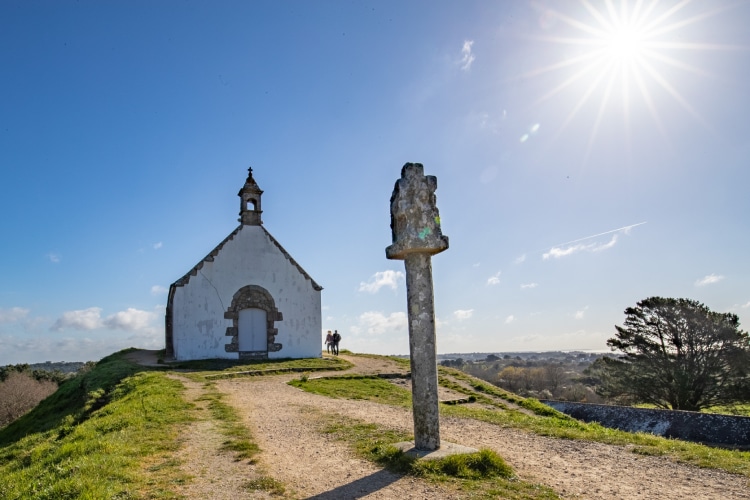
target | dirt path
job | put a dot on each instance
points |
(297, 455)
(214, 473)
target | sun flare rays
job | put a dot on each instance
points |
(623, 54)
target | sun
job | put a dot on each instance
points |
(624, 44)
(619, 54)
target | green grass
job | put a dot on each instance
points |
(74, 399)
(545, 421)
(404, 362)
(472, 395)
(739, 409)
(238, 437)
(225, 368)
(267, 484)
(107, 433)
(355, 387)
(477, 475)
(484, 464)
(112, 431)
(562, 426)
(486, 388)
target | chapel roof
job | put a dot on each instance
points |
(213, 253)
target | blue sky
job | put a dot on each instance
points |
(588, 155)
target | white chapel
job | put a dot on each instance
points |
(247, 299)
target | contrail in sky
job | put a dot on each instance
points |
(600, 234)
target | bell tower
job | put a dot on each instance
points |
(250, 201)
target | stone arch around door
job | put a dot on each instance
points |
(252, 297)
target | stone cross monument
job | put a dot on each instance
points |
(415, 226)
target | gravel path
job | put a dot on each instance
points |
(214, 473)
(294, 453)
(282, 420)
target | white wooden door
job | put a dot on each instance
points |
(253, 334)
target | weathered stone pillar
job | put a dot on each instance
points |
(416, 234)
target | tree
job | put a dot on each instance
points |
(600, 376)
(554, 374)
(456, 363)
(533, 379)
(678, 354)
(510, 378)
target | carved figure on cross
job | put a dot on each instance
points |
(415, 221)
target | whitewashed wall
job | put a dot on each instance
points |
(251, 258)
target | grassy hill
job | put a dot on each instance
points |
(92, 437)
(111, 431)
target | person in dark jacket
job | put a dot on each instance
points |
(336, 340)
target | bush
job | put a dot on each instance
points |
(481, 465)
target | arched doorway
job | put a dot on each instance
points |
(253, 313)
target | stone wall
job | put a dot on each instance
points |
(726, 430)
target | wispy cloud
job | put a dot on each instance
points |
(557, 252)
(574, 246)
(158, 290)
(462, 314)
(520, 259)
(377, 323)
(467, 57)
(380, 279)
(709, 280)
(526, 286)
(13, 314)
(510, 319)
(91, 319)
(746, 305)
(54, 257)
(494, 279)
(158, 245)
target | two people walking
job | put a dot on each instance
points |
(332, 342)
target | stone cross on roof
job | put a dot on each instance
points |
(250, 194)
